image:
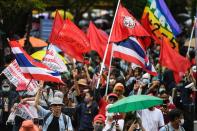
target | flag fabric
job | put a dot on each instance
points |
(161, 21)
(147, 41)
(26, 111)
(97, 38)
(132, 51)
(32, 69)
(52, 60)
(126, 25)
(72, 41)
(173, 60)
(98, 42)
(57, 25)
(15, 76)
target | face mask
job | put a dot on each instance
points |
(98, 127)
(161, 89)
(6, 89)
(166, 101)
(87, 100)
(182, 121)
(112, 81)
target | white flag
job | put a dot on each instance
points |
(53, 61)
(26, 111)
(15, 76)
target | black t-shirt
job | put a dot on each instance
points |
(54, 126)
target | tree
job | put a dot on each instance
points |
(14, 19)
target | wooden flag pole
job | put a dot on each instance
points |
(106, 50)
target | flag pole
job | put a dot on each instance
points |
(190, 40)
(106, 50)
(109, 71)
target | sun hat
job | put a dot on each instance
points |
(56, 101)
(59, 94)
(82, 82)
(119, 86)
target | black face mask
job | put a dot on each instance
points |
(137, 130)
(166, 101)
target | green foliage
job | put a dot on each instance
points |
(14, 13)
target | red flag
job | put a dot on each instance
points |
(145, 23)
(126, 25)
(57, 25)
(98, 41)
(97, 38)
(72, 40)
(173, 60)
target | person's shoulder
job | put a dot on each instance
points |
(164, 128)
(157, 110)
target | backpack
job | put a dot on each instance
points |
(64, 117)
(167, 128)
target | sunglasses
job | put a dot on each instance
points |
(57, 105)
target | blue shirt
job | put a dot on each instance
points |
(169, 127)
(86, 115)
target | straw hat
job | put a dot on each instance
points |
(82, 82)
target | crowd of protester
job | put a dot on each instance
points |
(78, 105)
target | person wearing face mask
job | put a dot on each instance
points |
(7, 99)
(166, 106)
(86, 111)
(113, 121)
(176, 121)
(99, 122)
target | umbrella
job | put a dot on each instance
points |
(35, 42)
(135, 102)
(39, 55)
(56, 48)
(61, 12)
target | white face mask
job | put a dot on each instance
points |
(6, 89)
(182, 121)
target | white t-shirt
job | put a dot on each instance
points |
(151, 120)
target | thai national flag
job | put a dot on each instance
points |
(132, 51)
(32, 69)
